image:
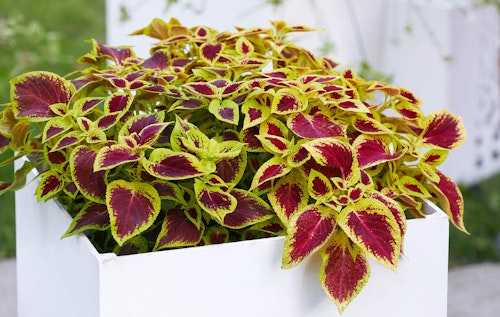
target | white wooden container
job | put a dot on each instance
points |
(68, 277)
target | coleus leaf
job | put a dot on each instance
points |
(335, 153)
(202, 88)
(137, 123)
(255, 113)
(92, 184)
(395, 208)
(114, 155)
(444, 131)
(214, 200)
(308, 231)
(135, 245)
(353, 105)
(92, 216)
(365, 124)
(170, 165)
(107, 121)
(132, 208)
(178, 231)
(211, 52)
(450, 199)
(410, 186)
(275, 144)
(69, 139)
(408, 110)
(34, 92)
(231, 170)
(148, 135)
(271, 169)
(287, 100)
(168, 190)
(372, 150)
(288, 196)
(50, 184)
(371, 225)
(55, 127)
(314, 126)
(344, 271)
(215, 235)
(244, 46)
(118, 102)
(250, 209)
(319, 186)
(435, 157)
(117, 54)
(227, 110)
(84, 105)
(298, 155)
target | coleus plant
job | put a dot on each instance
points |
(226, 136)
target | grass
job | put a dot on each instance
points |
(40, 35)
(62, 28)
(482, 220)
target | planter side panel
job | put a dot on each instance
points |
(54, 277)
(245, 279)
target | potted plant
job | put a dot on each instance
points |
(227, 136)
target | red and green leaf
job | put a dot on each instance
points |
(114, 155)
(372, 150)
(51, 183)
(411, 186)
(371, 225)
(139, 122)
(288, 101)
(344, 271)
(132, 208)
(450, 199)
(170, 165)
(334, 153)
(211, 52)
(227, 110)
(92, 184)
(288, 196)
(315, 126)
(214, 200)
(216, 235)
(255, 113)
(353, 105)
(308, 231)
(444, 131)
(365, 124)
(118, 102)
(33, 93)
(319, 186)
(250, 209)
(55, 127)
(435, 157)
(271, 169)
(93, 216)
(178, 231)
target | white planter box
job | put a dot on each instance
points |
(61, 278)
